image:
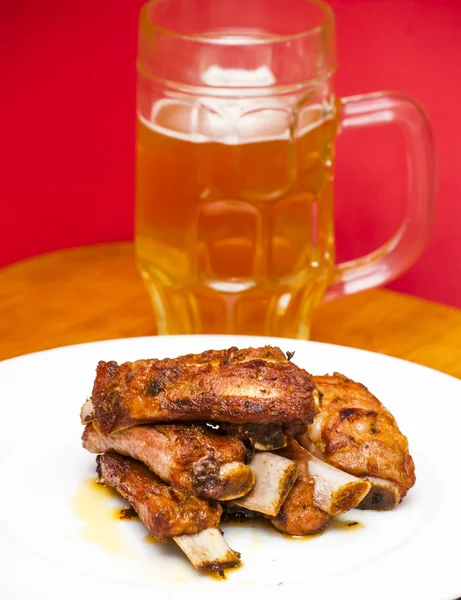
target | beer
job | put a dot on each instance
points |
(236, 121)
(234, 222)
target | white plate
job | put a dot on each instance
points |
(49, 552)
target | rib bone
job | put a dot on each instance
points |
(335, 491)
(275, 476)
(208, 550)
(383, 495)
(236, 479)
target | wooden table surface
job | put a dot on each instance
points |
(94, 293)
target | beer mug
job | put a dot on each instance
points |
(236, 122)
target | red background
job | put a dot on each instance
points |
(67, 127)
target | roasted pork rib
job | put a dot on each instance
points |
(167, 511)
(355, 433)
(188, 455)
(230, 386)
(170, 512)
(353, 454)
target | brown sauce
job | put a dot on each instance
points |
(302, 538)
(125, 514)
(225, 572)
(93, 505)
(242, 521)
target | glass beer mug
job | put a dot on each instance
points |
(236, 121)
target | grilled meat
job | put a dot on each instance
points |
(229, 386)
(298, 515)
(354, 432)
(191, 456)
(167, 511)
(239, 404)
(235, 356)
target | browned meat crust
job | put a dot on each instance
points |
(298, 515)
(356, 433)
(167, 511)
(190, 456)
(232, 513)
(234, 356)
(264, 436)
(245, 386)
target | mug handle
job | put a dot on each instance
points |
(402, 249)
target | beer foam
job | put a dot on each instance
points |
(232, 122)
(216, 76)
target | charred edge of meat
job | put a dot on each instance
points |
(221, 482)
(205, 478)
(290, 481)
(274, 443)
(347, 498)
(250, 452)
(237, 514)
(383, 495)
(258, 436)
(219, 567)
(225, 429)
(237, 480)
(100, 478)
(128, 513)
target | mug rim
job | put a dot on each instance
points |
(327, 21)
